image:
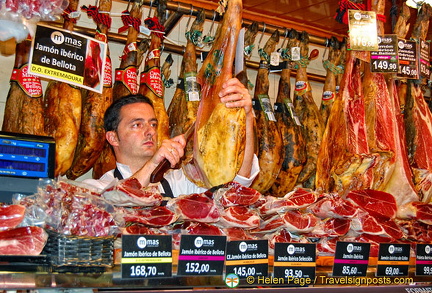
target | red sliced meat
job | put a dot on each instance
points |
(196, 228)
(392, 229)
(11, 216)
(140, 229)
(195, 207)
(23, 241)
(416, 231)
(236, 234)
(298, 222)
(298, 198)
(331, 227)
(154, 216)
(270, 224)
(365, 223)
(333, 206)
(233, 193)
(417, 210)
(377, 203)
(129, 192)
(327, 245)
(239, 216)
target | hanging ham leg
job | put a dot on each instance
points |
(92, 135)
(125, 84)
(24, 104)
(309, 115)
(268, 135)
(151, 84)
(63, 113)
(294, 149)
(219, 138)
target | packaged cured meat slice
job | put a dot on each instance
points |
(327, 246)
(154, 216)
(23, 241)
(331, 227)
(233, 193)
(129, 192)
(197, 207)
(419, 211)
(282, 235)
(299, 222)
(11, 216)
(333, 206)
(240, 217)
(377, 203)
(269, 224)
(236, 234)
(298, 198)
(365, 223)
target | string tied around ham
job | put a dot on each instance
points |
(336, 69)
(128, 21)
(69, 15)
(153, 24)
(96, 15)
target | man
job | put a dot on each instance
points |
(131, 124)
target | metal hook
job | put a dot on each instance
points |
(150, 8)
(127, 7)
(213, 21)
(191, 11)
(264, 27)
(96, 2)
(162, 49)
(285, 37)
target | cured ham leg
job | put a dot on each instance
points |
(294, 149)
(92, 135)
(219, 137)
(268, 135)
(309, 115)
(125, 84)
(63, 112)
(151, 84)
(24, 104)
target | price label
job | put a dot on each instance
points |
(385, 59)
(393, 259)
(247, 258)
(424, 59)
(424, 260)
(408, 59)
(362, 30)
(295, 261)
(201, 255)
(146, 256)
(266, 107)
(351, 259)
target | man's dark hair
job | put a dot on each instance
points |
(112, 114)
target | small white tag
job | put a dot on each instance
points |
(74, 14)
(144, 30)
(193, 96)
(295, 54)
(274, 58)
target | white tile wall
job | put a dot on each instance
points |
(177, 35)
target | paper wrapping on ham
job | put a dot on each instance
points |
(218, 163)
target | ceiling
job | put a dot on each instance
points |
(313, 16)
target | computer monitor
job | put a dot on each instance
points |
(24, 159)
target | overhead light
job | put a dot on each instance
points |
(417, 3)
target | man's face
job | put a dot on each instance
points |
(137, 131)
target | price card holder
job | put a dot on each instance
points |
(424, 59)
(424, 260)
(146, 256)
(408, 59)
(295, 262)
(385, 59)
(351, 259)
(362, 30)
(247, 258)
(393, 260)
(201, 255)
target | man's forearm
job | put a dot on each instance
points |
(246, 167)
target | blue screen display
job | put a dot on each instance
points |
(23, 157)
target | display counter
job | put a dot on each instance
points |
(43, 277)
